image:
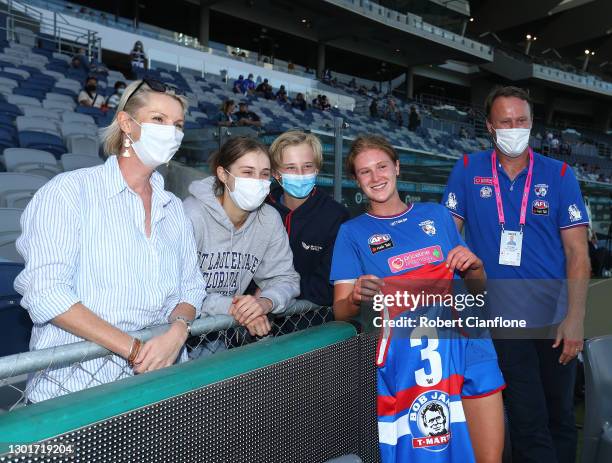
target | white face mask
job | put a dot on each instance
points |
(157, 143)
(512, 142)
(249, 193)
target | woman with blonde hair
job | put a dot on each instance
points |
(108, 250)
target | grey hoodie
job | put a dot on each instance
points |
(230, 258)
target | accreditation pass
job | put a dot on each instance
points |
(510, 248)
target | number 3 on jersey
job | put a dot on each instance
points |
(428, 353)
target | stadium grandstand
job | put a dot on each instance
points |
(416, 72)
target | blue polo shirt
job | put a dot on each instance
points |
(554, 203)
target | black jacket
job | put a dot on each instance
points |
(312, 230)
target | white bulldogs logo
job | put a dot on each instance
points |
(451, 202)
(486, 192)
(540, 189)
(574, 213)
(429, 227)
(429, 421)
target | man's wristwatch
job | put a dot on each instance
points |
(186, 321)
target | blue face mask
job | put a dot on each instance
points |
(298, 186)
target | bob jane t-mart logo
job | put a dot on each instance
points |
(380, 242)
(429, 421)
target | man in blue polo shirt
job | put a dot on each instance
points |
(525, 218)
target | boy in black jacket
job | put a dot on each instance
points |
(311, 217)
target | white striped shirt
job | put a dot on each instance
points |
(83, 240)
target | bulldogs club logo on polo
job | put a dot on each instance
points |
(428, 227)
(540, 190)
(486, 192)
(429, 421)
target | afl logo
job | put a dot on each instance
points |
(539, 207)
(379, 243)
(429, 421)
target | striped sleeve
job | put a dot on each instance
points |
(49, 244)
(193, 289)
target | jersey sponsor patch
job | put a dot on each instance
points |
(574, 213)
(415, 259)
(312, 247)
(483, 180)
(539, 207)
(486, 192)
(451, 202)
(380, 242)
(429, 227)
(540, 190)
(429, 421)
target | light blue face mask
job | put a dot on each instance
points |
(298, 186)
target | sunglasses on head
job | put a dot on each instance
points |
(156, 86)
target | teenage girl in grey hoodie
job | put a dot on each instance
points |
(240, 239)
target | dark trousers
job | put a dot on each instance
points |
(539, 400)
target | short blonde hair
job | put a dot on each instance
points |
(366, 142)
(294, 138)
(112, 136)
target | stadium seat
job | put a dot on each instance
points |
(49, 114)
(9, 232)
(94, 112)
(21, 101)
(5, 81)
(29, 161)
(72, 161)
(25, 36)
(42, 141)
(16, 190)
(37, 124)
(14, 320)
(58, 105)
(76, 117)
(10, 109)
(597, 446)
(86, 144)
(61, 97)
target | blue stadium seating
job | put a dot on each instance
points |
(14, 320)
(9, 109)
(42, 141)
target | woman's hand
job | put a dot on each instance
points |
(260, 326)
(461, 259)
(246, 308)
(365, 288)
(161, 351)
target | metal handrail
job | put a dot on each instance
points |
(62, 356)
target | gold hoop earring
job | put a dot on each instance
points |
(126, 152)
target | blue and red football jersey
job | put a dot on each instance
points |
(423, 373)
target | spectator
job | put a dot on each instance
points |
(138, 59)
(265, 89)
(463, 133)
(327, 76)
(80, 60)
(238, 86)
(374, 108)
(316, 102)
(414, 120)
(63, 246)
(324, 103)
(244, 117)
(554, 145)
(229, 218)
(290, 66)
(311, 217)
(399, 118)
(248, 86)
(113, 100)
(551, 251)
(352, 83)
(299, 102)
(374, 89)
(281, 95)
(225, 118)
(362, 90)
(89, 96)
(390, 109)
